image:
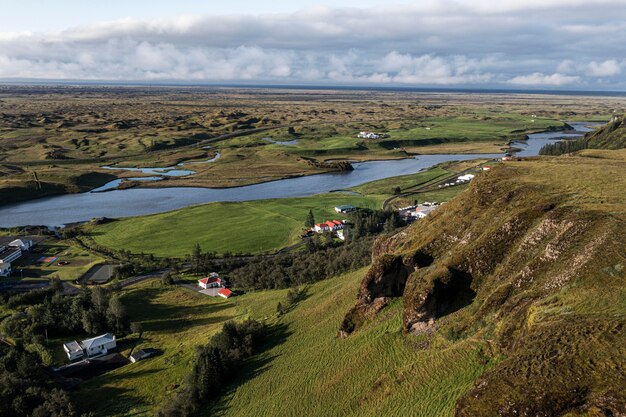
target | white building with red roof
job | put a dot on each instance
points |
(329, 226)
(224, 293)
(212, 281)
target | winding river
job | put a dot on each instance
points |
(70, 208)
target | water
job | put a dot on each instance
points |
(111, 185)
(55, 211)
(171, 171)
(536, 141)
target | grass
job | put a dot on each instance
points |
(255, 226)
(376, 372)
(386, 186)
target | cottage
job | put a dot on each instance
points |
(329, 226)
(96, 346)
(212, 281)
(345, 209)
(486, 168)
(224, 293)
(5, 269)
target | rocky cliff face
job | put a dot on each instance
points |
(531, 258)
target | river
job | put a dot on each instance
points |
(70, 208)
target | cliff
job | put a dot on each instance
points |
(531, 259)
(610, 136)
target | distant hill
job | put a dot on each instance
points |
(531, 261)
(610, 136)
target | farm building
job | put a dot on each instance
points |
(345, 209)
(329, 226)
(225, 293)
(96, 346)
(466, 177)
(5, 269)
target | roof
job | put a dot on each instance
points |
(209, 280)
(225, 292)
(337, 222)
(5, 265)
(18, 243)
(7, 252)
(98, 340)
(345, 206)
(73, 346)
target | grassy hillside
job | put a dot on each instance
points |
(611, 136)
(529, 258)
(255, 226)
(309, 372)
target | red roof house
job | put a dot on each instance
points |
(209, 282)
(225, 293)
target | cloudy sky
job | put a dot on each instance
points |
(564, 44)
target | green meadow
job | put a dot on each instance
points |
(307, 371)
(251, 227)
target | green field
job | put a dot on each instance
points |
(310, 372)
(255, 226)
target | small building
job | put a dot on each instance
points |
(5, 269)
(418, 214)
(486, 168)
(212, 281)
(465, 178)
(507, 158)
(345, 209)
(225, 293)
(96, 346)
(142, 354)
(329, 226)
(341, 234)
(21, 244)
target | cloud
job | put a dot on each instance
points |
(433, 42)
(538, 78)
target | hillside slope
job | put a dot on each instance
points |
(530, 260)
(611, 136)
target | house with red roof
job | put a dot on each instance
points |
(212, 281)
(329, 226)
(224, 293)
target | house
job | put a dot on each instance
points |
(486, 168)
(5, 269)
(96, 346)
(368, 135)
(212, 281)
(345, 209)
(418, 214)
(329, 226)
(224, 293)
(465, 178)
(142, 354)
(22, 244)
(9, 254)
(507, 158)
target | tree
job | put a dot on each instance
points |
(116, 315)
(310, 220)
(397, 190)
(137, 328)
(166, 278)
(279, 309)
(196, 258)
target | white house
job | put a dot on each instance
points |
(5, 269)
(418, 214)
(466, 177)
(96, 346)
(329, 226)
(22, 244)
(212, 281)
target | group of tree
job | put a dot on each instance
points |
(24, 388)
(370, 222)
(215, 366)
(563, 146)
(48, 313)
(297, 268)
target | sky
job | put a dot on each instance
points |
(542, 44)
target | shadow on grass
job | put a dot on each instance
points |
(254, 366)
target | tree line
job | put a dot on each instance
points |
(47, 313)
(563, 146)
(216, 365)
